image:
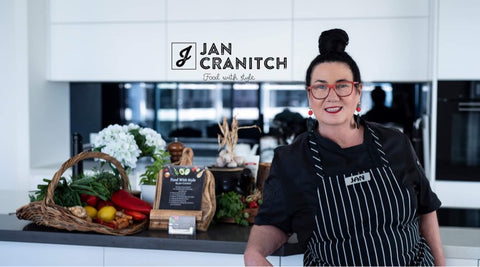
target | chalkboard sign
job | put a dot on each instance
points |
(182, 187)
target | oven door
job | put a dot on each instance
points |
(458, 140)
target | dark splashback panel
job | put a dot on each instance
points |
(459, 217)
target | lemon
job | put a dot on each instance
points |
(106, 214)
(91, 211)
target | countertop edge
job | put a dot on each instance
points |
(222, 238)
(136, 242)
(459, 242)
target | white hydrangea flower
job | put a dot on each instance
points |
(119, 142)
(116, 141)
(153, 139)
(131, 126)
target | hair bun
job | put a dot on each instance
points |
(334, 40)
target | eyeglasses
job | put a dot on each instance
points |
(320, 91)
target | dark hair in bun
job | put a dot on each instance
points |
(331, 45)
(332, 41)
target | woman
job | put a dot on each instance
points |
(352, 191)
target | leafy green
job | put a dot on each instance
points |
(110, 181)
(149, 177)
(64, 194)
(67, 193)
(141, 141)
(230, 205)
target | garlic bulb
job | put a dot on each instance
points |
(79, 211)
(228, 159)
(232, 164)
(239, 160)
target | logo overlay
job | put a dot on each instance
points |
(215, 58)
(184, 56)
(359, 178)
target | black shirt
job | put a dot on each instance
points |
(289, 193)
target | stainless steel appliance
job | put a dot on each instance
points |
(458, 131)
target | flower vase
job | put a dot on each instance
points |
(136, 172)
(148, 192)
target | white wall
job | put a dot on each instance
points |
(49, 113)
(34, 113)
(14, 141)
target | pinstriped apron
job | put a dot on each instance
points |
(365, 217)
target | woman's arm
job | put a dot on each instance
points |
(263, 241)
(430, 231)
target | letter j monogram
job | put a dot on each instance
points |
(185, 55)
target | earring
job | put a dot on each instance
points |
(357, 116)
(310, 112)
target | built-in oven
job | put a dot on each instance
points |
(458, 131)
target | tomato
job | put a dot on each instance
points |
(252, 204)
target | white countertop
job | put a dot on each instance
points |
(461, 242)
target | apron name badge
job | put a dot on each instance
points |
(359, 178)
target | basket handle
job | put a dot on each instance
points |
(48, 200)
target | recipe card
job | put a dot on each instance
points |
(182, 187)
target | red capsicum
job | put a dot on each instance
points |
(109, 224)
(89, 199)
(127, 201)
(137, 216)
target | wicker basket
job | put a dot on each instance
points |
(47, 213)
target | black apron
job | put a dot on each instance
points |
(364, 217)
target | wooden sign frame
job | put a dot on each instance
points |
(159, 218)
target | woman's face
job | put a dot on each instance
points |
(334, 110)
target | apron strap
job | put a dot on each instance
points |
(378, 145)
(317, 161)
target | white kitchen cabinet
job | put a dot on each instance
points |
(208, 10)
(458, 39)
(297, 260)
(142, 257)
(461, 262)
(78, 11)
(293, 260)
(107, 52)
(129, 40)
(314, 9)
(385, 49)
(40, 254)
(247, 39)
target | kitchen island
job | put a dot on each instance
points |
(25, 243)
